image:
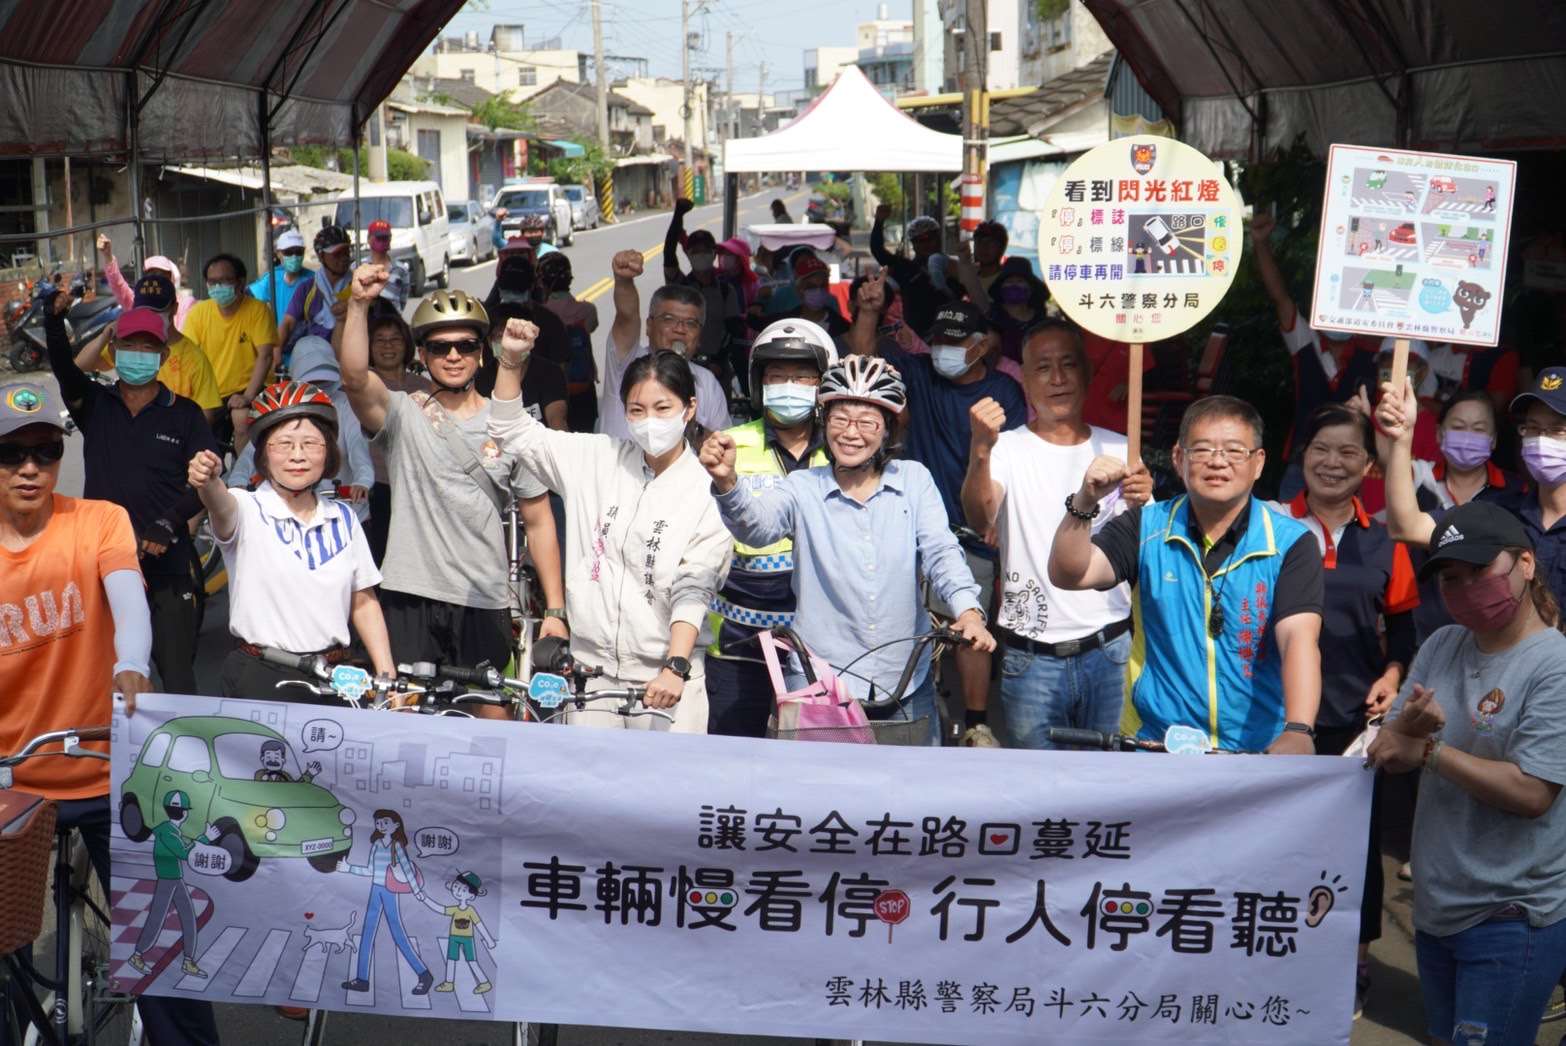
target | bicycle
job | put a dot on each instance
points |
(79, 1004)
(893, 730)
(1178, 740)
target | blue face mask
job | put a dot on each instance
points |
(136, 367)
(222, 293)
(789, 403)
(292, 263)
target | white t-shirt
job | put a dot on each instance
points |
(712, 405)
(1037, 476)
(291, 584)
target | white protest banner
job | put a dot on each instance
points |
(442, 867)
(1413, 245)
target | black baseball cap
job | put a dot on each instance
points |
(1549, 388)
(1474, 533)
(154, 292)
(956, 323)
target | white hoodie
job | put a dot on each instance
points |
(646, 551)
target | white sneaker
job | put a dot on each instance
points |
(979, 736)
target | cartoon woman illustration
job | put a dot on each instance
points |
(465, 922)
(391, 873)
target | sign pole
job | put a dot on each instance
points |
(1134, 407)
(1399, 366)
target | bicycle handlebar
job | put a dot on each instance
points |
(314, 664)
(69, 740)
(940, 635)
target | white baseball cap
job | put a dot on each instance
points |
(289, 240)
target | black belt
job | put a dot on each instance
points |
(1069, 647)
(334, 655)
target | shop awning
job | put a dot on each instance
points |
(1242, 78)
(196, 74)
(570, 149)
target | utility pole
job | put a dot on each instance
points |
(601, 77)
(975, 108)
(728, 90)
(761, 99)
(685, 75)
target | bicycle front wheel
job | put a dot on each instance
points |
(531, 1033)
(100, 1015)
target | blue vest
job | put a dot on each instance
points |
(1231, 686)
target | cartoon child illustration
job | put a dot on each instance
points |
(1489, 199)
(391, 874)
(169, 849)
(274, 757)
(464, 922)
(1489, 707)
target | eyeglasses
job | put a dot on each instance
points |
(1528, 430)
(669, 320)
(1205, 455)
(793, 379)
(867, 425)
(466, 347)
(12, 455)
(292, 252)
(222, 283)
(287, 446)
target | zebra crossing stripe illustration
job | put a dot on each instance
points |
(1179, 266)
(129, 899)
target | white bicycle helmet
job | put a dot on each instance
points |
(864, 379)
(922, 226)
(790, 339)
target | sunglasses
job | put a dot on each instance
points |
(12, 455)
(466, 347)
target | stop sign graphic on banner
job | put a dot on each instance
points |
(892, 907)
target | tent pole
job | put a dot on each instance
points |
(270, 258)
(360, 240)
(133, 143)
(730, 204)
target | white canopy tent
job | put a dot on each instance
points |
(850, 127)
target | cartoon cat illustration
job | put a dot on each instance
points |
(331, 939)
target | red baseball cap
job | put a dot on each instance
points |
(807, 264)
(380, 229)
(141, 320)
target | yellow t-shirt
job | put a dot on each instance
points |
(230, 342)
(185, 373)
(464, 919)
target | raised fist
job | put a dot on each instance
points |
(987, 418)
(104, 246)
(683, 206)
(369, 281)
(1103, 475)
(872, 293)
(717, 457)
(627, 265)
(517, 340)
(1262, 225)
(204, 468)
(883, 211)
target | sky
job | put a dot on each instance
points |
(775, 31)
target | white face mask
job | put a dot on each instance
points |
(950, 361)
(658, 435)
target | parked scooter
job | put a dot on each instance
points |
(86, 319)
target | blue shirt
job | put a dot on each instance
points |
(261, 289)
(940, 430)
(857, 566)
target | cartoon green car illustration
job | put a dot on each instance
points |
(217, 761)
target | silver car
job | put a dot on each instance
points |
(584, 206)
(472, 231)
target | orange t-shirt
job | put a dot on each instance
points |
(57, 640)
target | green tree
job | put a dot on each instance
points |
(887, 188)
(588, 169)
(400, 166)
(500, 111)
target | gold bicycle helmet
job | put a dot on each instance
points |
(445, 309)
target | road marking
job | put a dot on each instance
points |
(467, 1002)
(212, 960)
(312, 971)
(258, 975)
(599, 289)
(596, 289)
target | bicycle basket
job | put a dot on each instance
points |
(914, 733)
(26, 839)
(822, 710)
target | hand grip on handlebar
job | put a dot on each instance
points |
(1067, 735)
(310, 663)
(456, 674)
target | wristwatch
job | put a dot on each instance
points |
(1300, 728)
(680, 666)
(555, 612)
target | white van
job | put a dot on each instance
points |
(416, 212)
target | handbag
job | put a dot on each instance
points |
(823, 709)
(395, 881)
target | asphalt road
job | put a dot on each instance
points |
(1394, 1016)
